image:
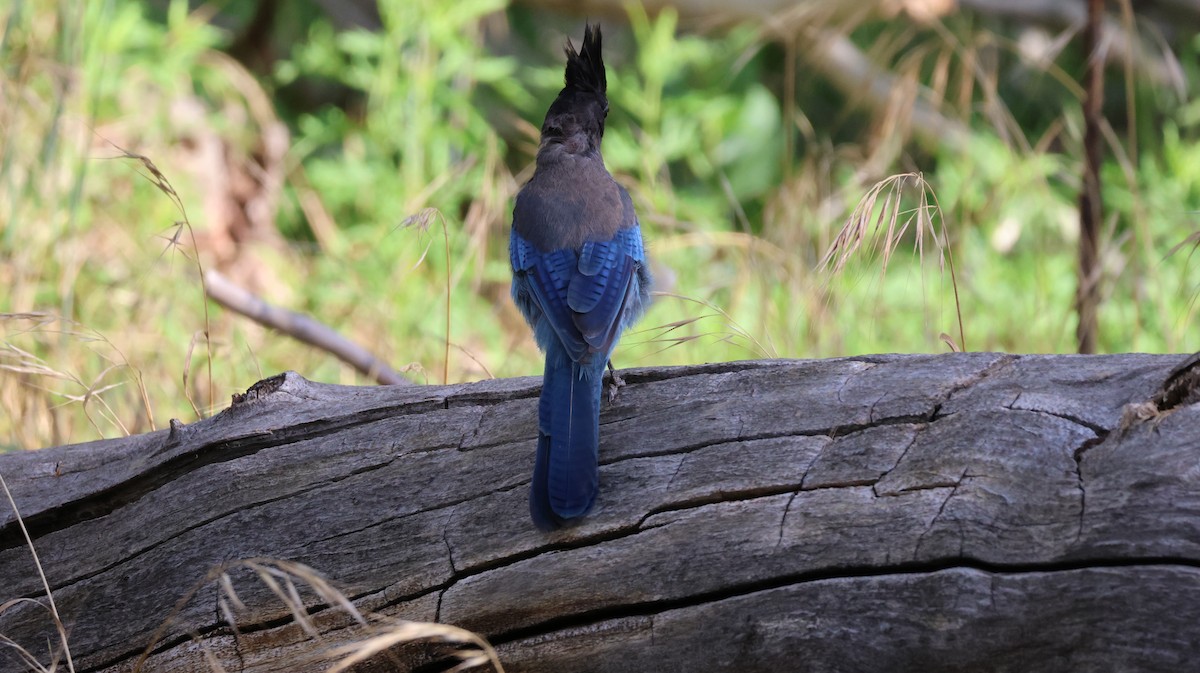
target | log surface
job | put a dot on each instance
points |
(960, 512)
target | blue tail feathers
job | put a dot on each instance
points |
(566, 475)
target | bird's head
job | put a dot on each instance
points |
(576, 118)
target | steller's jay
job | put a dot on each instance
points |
(580, 278)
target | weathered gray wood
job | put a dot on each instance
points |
(978, 512)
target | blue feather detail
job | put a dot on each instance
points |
(577, 302)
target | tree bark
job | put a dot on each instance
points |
(959, 512)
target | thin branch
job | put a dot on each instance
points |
(1087, 297)
(298, 326)
(851, 71)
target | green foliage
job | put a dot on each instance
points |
(419, 127)
(689, 114)
(105, 320)
(99, 309)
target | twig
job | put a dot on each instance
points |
(1087, 297)
(298, 326)
(852, 72)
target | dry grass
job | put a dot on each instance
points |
(288, 582)
(731, 333)
(160, 182)
(422, 222)
(55, 383)
(751, 271)
(60, 655)
(65, 375)
(885, 226)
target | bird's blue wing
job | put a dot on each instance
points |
(540, 286)
(603, 285)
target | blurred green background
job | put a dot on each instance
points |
(356, 161)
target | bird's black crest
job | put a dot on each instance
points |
(585, 68)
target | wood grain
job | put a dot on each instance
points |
(960, 512)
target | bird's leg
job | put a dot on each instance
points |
(615, 385)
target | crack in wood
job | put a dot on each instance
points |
(783, 519)
(641, 526)
(237, 639)
(472, 434)
(1095, 428)
(1077, 456)
(650, 609)
(678, 467)
(618, 533)
(316, 609)
(718, 497)
(1181, 387)
(938, 515)
(660, 374)
(971, 380)
(451, 505)
(912, 442)
(1100, 434)
(446, 541)
(1004, 361)
(816, 456)
(1082, 495)
(607, 416)
(832, 432)
(103, 502)
(199, 634)
(850, 376)
(654, 607)
(472, 398)
(136, 553)
(875, 403)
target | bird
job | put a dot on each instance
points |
(580, 278)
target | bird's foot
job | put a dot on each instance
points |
(615, 385)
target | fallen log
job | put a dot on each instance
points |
(959, 512)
